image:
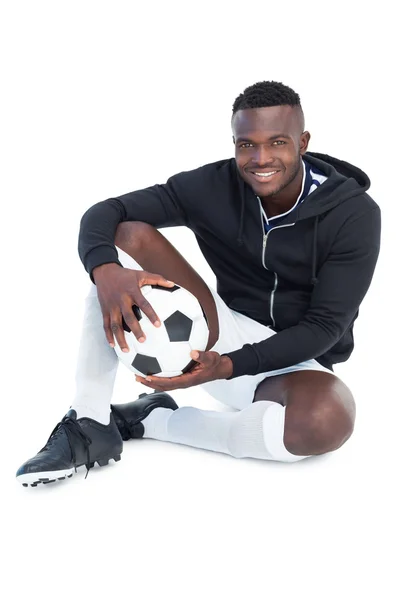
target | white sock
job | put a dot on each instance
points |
(97, 365)
(256, 431)
(155, 424)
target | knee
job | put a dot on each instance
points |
(332, 423)
(133, 235)
(323, 428)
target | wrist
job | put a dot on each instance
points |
(226, 367)
(102, 270)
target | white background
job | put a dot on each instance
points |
(102, 98)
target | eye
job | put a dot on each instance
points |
(249, 144)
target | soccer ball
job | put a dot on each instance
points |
(166, 350)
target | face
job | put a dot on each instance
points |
(270, 139)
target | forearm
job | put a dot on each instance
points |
(286, 348)
(97, 233)
(158, 206)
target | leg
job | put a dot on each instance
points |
(154, 253)
(320, 410)
(97, 362)
(97, 365)
(293, 415)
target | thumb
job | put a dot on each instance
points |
(198, 356)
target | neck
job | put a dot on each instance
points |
(286, 198)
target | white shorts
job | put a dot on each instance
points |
(235, 330)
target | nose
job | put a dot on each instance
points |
(262, 156)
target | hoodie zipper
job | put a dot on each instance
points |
(265, 238)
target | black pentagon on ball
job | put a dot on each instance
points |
(165, 289)
(138, 314)
(148, 365)
(178, 327)
(172, 289)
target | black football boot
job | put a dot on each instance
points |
(129, 417)
(72, 443)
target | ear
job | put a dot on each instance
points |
(304, 141)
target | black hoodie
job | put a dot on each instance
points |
(305, 278)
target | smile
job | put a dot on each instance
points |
(264, 176)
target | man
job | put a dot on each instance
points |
(293, 239)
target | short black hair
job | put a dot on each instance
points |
(267, 93)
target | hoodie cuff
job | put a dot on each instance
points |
(244, 362)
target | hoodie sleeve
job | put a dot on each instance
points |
(159, 205)
(343, 281)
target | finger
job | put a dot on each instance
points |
(162, 388)
(154, 385)
(117, 330)
(171, 383)
(154, 279)
(147, 278)
(132, 322)
(107, 330)
(140, 379)
(148, 310)
(201, 357)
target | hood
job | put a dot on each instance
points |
(344, 182)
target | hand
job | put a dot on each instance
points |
(210, 366)
(118, 289)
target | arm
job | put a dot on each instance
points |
(343, 281)
(159, 205)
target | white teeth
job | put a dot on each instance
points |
(265, 174)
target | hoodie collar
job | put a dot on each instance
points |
(344, 181)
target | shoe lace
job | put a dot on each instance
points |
(71, 428)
